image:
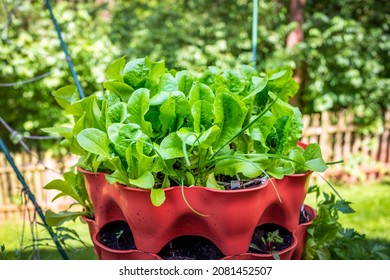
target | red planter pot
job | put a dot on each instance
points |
(285, 254)
(293, 252)
(93, 228)
(106, 253)
(222, 222)
(292, 190)
(301, 233)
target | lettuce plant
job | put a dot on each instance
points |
(153, 128)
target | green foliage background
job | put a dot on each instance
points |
(344, 57)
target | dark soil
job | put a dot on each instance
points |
(260, 244)
(117, 235)
(304, 217)
(230, 183)
(190, 248)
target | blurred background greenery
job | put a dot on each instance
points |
(342, 60)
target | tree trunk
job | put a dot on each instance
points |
(296, 36)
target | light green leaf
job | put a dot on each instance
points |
(260, 130)
(238, 165)
(145, 181)
(114, 70)
(185, 81)
(137, 107)
(298, 160)
(212, 182)
(171, 146)
(118, 176)
(66, 96)
(203, 115)
(120, 89)
(62, 186)
(94, 141)
(56, 219)
(124, 136)
(157, 69)
(167, 83)
(157, 196)
(258, 84)
(208, 138)
(167, 113)
(201, 92)
(136, 73)
(64, 131)
(313, 157)
(187, 136)
(72, 185)
(159, 98)
(117, 113)
(230, 114)
(138, 162)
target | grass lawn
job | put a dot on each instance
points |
(372, 208)
(11, 237)
(372, 218)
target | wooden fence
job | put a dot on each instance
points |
(366, 157)
(37, 171)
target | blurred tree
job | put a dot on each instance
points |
(30, 49)
(294, 37)
(195, 34)
(346, 57)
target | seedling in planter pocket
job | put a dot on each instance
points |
(269, 243)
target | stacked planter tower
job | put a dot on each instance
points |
(226, 218)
